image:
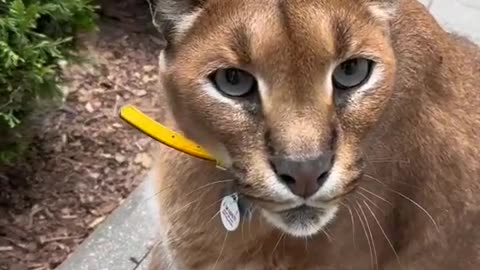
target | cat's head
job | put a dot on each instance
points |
(283, 91)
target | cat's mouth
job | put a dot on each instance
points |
(299, 217)
(301, 221)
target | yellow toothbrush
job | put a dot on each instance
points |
(160, 133)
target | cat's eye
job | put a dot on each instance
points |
(233, 82)
(352, 73)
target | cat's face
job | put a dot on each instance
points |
(284, 92)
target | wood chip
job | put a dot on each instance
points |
(38, 266)
(96, 222)
(69, 216)
(94, 175)
(149, 68)
(89, 107)
(144, 159)
(148, 79)
(141, 93)
(6, 248)
(107, 207)
(64, 138)
(44, 240)
(120, 158)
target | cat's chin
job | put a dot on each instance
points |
(301, 221)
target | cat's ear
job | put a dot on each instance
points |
(383, 10)
(174, 17)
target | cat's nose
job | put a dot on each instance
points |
(304, 178)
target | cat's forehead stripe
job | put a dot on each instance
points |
(240, 43)
(280, 33)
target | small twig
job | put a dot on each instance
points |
(140, 148)
(113, 91)
(139, 262)
(15, 243)
(35, 210)
(69, 160)
(91, 119)
(69, 216)
(120, 86)
(38, 267)
(96, 222)
(10, 99)
(59, 238)
(134, 260)
(153, 13)
(115, 106)
(68, 109)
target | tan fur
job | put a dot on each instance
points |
(417, 131)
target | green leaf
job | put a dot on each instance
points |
(10, 119)
(35, 35)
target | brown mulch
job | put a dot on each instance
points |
(85, 161)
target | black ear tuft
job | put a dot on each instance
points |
(170, 13)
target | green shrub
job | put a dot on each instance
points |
(36, 36)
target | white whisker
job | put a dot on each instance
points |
(378, 196)
(366, 236)
(173, 185)
(330, 239)
(393, 181)
(213, 217)
(210, 184)
(278, 242)
(353, 223)
(371, 236)
(408, 199)
(419, 206)
(221, 251)
(372, 202)
(384, 234)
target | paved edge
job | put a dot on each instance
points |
(129, 232)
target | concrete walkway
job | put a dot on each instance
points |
(125, 238)
(461, 16)
(123, 241)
